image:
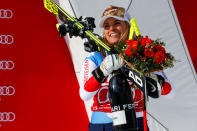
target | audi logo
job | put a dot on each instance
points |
(7, 116)
(6, 13)
(7, 90)
(6, 65)
(6, 39)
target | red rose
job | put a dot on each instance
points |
(128, 51)
(160, 48)
(129, 41)
(134, 45)
(159, 57)
(145, 41)
(149, 52)
(148, 40)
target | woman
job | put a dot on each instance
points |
(96, 69)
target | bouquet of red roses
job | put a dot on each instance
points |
(145, 55)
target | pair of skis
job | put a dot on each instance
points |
(54, 8)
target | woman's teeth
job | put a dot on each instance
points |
(114, 34)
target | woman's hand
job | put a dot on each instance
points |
(154, 85)
(111, 63)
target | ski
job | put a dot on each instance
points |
(54, 8)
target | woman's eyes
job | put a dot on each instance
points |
(117, 23)
(107, 26)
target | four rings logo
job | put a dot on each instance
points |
(6, 39)
(7, 90)
(6, 65)
(6, 13)
(7, 116)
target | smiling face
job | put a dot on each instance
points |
(114, 30)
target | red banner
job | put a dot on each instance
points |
(38, 89)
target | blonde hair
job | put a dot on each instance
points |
(123, 38)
